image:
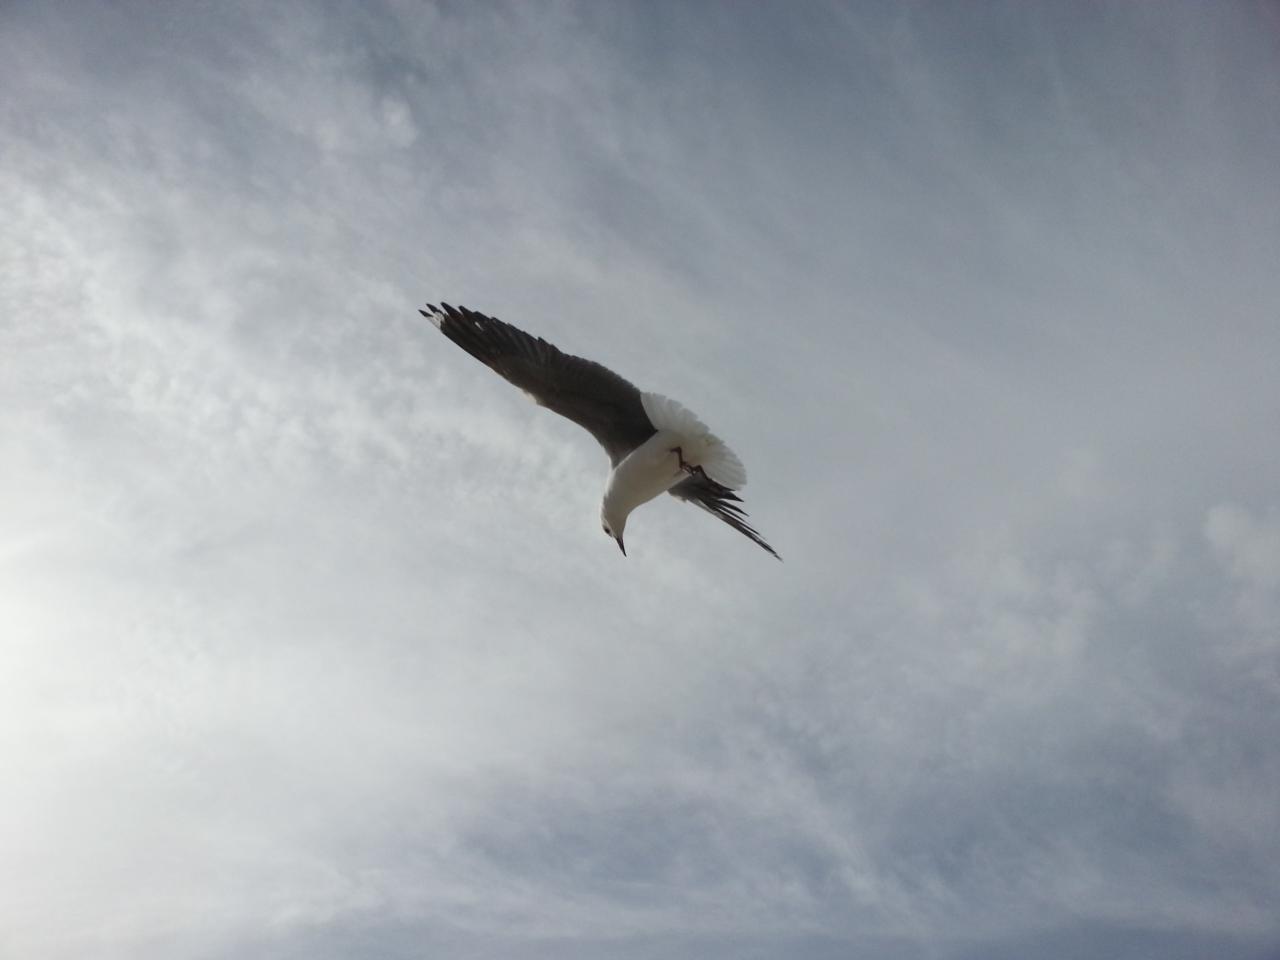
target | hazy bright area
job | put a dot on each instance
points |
(311, 646)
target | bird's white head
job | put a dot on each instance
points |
(614, 521)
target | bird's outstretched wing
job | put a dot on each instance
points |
(719, 501)
(589, 394)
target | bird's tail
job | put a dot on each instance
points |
(701, 447)
(720, 502)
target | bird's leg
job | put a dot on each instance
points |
(680, 457)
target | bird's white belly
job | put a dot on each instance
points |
(648, 470)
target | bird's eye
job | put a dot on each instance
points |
(608, 532)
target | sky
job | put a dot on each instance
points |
(311, 645)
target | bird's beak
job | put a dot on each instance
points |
(620, 546)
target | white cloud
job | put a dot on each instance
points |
(308, 636)
(1249, 548)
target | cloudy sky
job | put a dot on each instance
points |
(311, 645)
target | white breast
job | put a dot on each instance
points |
(650, 469)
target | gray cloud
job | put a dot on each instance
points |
(311, 644)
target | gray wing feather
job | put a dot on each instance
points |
(589, 394)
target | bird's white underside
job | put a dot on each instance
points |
(647, 471)
(655, 466)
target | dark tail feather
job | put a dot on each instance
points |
(718, 500)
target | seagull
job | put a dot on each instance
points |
(655, 444)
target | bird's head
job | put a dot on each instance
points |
(614, 523)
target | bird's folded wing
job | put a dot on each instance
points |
(589, 394)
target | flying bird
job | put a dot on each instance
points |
(654, 444)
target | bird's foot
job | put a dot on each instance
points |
(687, 468)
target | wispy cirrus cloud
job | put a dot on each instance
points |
(311, 645)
